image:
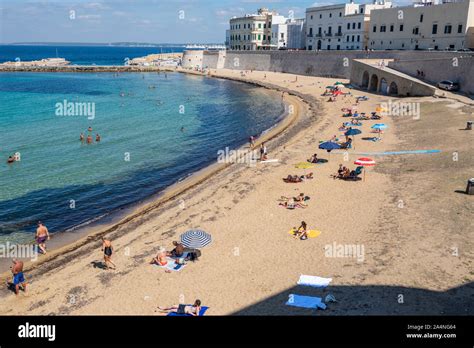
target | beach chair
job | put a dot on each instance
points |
(354, 176)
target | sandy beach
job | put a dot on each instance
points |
(409, 214)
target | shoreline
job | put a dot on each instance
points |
(72, 241)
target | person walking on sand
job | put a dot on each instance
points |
(18, 277)
(252, 141)
(108, 250)
(263, 151)
(42, 235)
(182, 309)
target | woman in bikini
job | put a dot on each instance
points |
(108, 251)
(193, 310)
(160, 259)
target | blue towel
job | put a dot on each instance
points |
(172, 265)
(305, 302)
(201, 313)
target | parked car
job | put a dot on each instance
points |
(448, 85)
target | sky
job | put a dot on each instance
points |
(149, 21)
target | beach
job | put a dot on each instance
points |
(409, 214)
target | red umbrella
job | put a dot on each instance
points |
(365, 162)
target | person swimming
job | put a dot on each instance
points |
(81, 137)
(89, 139)
(11, 159)
(97, 138)
(89, 129)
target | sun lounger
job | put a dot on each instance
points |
(201, 313)
(314, 281)
(305, 302)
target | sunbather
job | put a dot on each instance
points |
(178, 250)
(160, 258)
(314, 158)
(301, 232)
(296, 178)
(184, 309)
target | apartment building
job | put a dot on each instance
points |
(424, 25)
(254, 31)
(289, 35)
(341, 26)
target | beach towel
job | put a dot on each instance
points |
(314, 281)
(201, 313)
(305, 302)
(311, 233)
(172, 265)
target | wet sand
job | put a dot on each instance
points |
(407, 215)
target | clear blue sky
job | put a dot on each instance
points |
(154, 21)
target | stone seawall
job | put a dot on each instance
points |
(338, 64)
(83, 68)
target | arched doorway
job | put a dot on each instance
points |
(393, 89)
(383, 86)
(374, 83)
(365, 80)
(319, 45)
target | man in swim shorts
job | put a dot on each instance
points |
(18, 277)
(42, 235)
(193, 310)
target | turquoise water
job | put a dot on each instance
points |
(64, 182)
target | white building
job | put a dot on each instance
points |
(254, 31)
(289, 35)
(426, 25)
(334, 27)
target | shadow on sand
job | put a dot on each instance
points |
(371, 300)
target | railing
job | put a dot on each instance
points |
(328, 34)
(338, 34)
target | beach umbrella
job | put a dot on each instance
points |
(352, 131)
(379, 127)
(365, 162)
(329, 146)
(195, 239)
(338, 83)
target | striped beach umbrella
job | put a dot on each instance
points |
(365, 162)
(195, 239)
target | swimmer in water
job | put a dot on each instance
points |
(89, 129)
(89, 139)
(97, 137)
(81, 137)
(11, 159)
(182, 129)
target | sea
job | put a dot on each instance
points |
(155, 129)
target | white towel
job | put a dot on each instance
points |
(314, 281)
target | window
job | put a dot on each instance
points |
(459, 28)
(416, 30)
(353, 25)
(330, 15)
(310, 31)
(311, 16)
(352, 38)
(340, 14)
(339, 30)
(358, 38)
(421, 18)
(435, 29)
(320, 30)
(264, 37)
(259, 25)
(282, 35)
(348, 26)
(320, 16)
(359, 25)
(329, 30)
(362, 10)
(401, 27)
(259, 37)
(269, 25)
(383, 28)
(391, 28)
(447, 29)
(375, 29)
(264, 25)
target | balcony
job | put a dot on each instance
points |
(338, 34)
(318, 35)
(309, 35)
(328, 34)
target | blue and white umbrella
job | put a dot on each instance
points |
(352, 132)
(196, 239)
(380, 126)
